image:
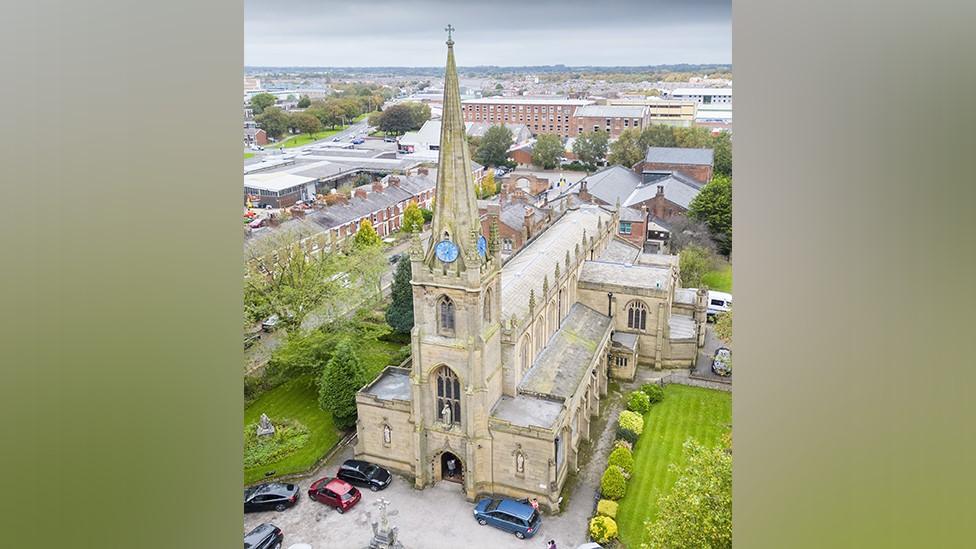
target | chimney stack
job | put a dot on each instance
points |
(377, 186)
(360, 193)
(660, 190)
(393, 181)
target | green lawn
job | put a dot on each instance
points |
(296, 399)
(720, 279)
(303, 139)
(702, 414)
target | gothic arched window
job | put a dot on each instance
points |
(637, 315)
(525, 354)
(445, 316)
(448, 396)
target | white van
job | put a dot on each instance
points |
(718, 302)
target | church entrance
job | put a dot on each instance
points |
(451, 468)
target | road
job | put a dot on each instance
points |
(348, 134)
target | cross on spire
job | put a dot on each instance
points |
(450, 29)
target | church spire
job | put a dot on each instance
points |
(455, 204)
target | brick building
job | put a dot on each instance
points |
(613, 119)
(539, 114)
(695, 163)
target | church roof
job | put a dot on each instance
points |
(619, 251)
(526, 269)
(626, 277)
(559, 369)
(392, 384)
(527, 411)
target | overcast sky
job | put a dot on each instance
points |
(363, 33)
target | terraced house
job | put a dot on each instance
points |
(509, 363)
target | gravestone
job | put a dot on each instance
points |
(265, 427)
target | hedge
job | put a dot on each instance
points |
(607, 508)
(631, 421)
(602, 529)
(613, 485)
(623, 458)
(639, 402)
(653, 391)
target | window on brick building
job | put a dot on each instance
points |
(625, 227)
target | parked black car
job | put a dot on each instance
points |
(363, 473)
(264, 536)
(272, 496)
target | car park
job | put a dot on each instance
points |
(364, 473)
(722, 361)
(272, 496)
(335, 493)
(264, 536)
(509, 515)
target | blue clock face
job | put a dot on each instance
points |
(482, 246)
(446, 251)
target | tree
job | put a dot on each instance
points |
(262, 101)
(304, 102)
(697, 512)
(307, 123)
(428, 214)
(398, 119)
(657, 135)
(413, 219)
(722, 147)
(694, 262)
(713, 207)
(487, 187)
(626, 150)
(342, 377)
(420, 113)
(493, 149)
(373, 119)
(686, 231)
(695, 137)
(591, 147)
(273, 121)
(366, 236)
(399, 315)
(281, 280)
(547, 150)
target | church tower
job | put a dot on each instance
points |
(456, 375)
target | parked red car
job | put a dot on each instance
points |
(334, 493)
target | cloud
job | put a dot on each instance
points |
(506, 32)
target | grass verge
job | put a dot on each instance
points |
(720, 279)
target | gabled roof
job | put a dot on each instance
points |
(678, 188)
(566, 358)
(679, 155)
(613, 183)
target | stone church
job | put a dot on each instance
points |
(509, 363)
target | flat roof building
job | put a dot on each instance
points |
(703, 96)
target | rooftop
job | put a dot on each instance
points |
(682, 327)
(625, 340)
(526, 269)
(393, 384)
(679, 155)
(612, 111)
(567, 356)
(527, 411)
(612, 184)
(554, 100)
(702, 91)
(677, 188)
(624, 276)
(618, 251)
(275, 181)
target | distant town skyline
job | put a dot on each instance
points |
(385, 33)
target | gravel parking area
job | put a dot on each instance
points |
(433, 518)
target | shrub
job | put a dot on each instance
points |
(289, 436)
(607, 508)
(623, 444)
(631, 421)
(627, 435)
(639, 402)
(653, 391)
(623, 458)
(602, 529)
(613, 485)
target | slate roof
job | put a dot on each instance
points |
(560, 368)
(625, 340)
(631, 214)
(526, 269)
(513, 214)
(678, 188)
(527, 411)
(618, 251)
(681, 327)
(680, 155)
(685, 296)
(612, 183)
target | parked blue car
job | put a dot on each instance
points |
(509, 515)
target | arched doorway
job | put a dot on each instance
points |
(451, 468)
